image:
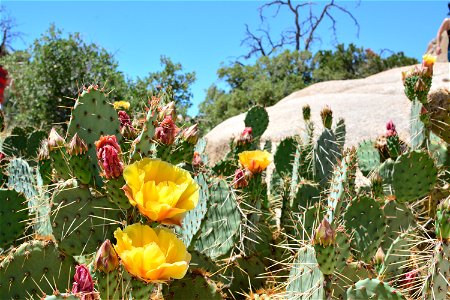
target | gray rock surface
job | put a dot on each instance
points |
(365, 104)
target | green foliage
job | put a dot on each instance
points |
(171, 77)
(54, 68)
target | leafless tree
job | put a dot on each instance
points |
(8, 34)
(301, 35)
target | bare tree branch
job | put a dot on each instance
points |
(306, 24)
(7, 24)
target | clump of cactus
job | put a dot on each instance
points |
(114, 209)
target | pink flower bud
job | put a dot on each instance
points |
(2, 156)
(197, 160)
(390, 129)
(77, 146)
(245, 137)
(239, 179)
(190, 134)
(82, 280)
(165, 133)
(126, 127)
(410, 279)
(108, 152)
(324, 234)
(55, 141)
(106, 259)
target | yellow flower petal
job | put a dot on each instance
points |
(152, 255)
(161, 191)
(255, 161)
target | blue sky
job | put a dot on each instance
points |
(202, 35)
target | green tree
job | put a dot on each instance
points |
(267, 81)
(172, 78)
(50, 74)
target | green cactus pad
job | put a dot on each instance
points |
(284, 155)
(326, 258)
(307, 195)
(45, 169)
(438, 107)
(339, 132)
(440, 151)
(35, 268)
(437, 281)
(397, 257)
(385, 170)
(21, 178)
(14, 145)
(80, 165)
(258, 119)
(13, 216)
(398, 219)
(143, 145)
(373, 289)
(416, 127)
(225, 168)
(223, 220)
(92, 117)
(192, 287)
(248, 273)
(414, 176)
(342, 248)
(60, 163)
(346, 276)
(306, 281)
(114, 192)
(61, 296)
(365, 219)
(326, 154)
(368, 157)
(81, 222)
(340, 181)
(34, 142)
(193, 219)
(393, 145)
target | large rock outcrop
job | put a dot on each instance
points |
(365, 104)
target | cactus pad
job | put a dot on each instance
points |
(13, 216)
(368, 157)
(414, 176)
(258, 119)
(326, 154)
(366, 218)
(35, 268)
(373, 289)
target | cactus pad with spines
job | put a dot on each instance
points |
(416, 126)
(398, 219)
(373, 289)
(21, 178)
(368, 157)
(366, 219)
(192, 287)
(326, 258)
(414, 176)
(284, 155)
(13, 216)
(247, 275)
(339, 132)
(92, 117)
(438, 110)
(114, 192)
(306, 281)
(142, 145)
(220, 228)
(397, 257)
(193, 219)
(34, 268)
(81, 222)
(258, 119)
(326, 154)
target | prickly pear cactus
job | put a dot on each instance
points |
(14, 216)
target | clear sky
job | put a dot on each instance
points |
(202, 35)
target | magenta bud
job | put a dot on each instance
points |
(108, 155)
(165, 133)
(83, 282)
(239, 179)
(197, 160)
(245, 137)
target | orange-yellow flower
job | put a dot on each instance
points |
(161, 191)
(121, 105)
(255, 161)
(151, 254)
(428, 60)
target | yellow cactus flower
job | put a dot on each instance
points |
(255, 161)
(150, 254)
(429, 60)
(121, 105)
(161, 191)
